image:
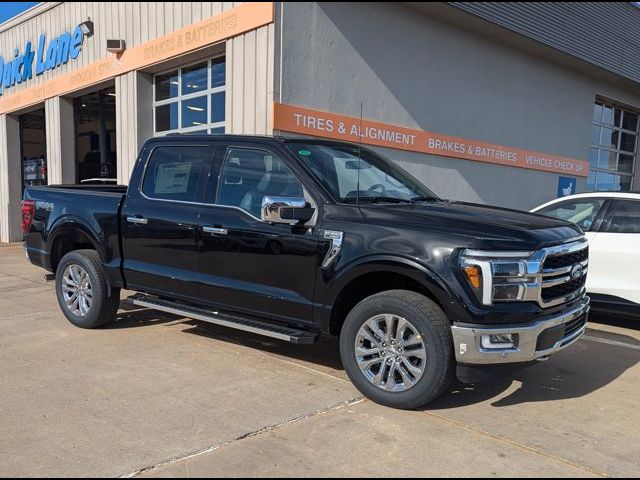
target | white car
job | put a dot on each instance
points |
(611, 222)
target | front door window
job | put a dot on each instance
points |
(582, 212)
(249, 174)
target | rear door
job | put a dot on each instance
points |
(615, 252)
(160, 219)
(248, 265)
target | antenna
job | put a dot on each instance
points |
(359, 158)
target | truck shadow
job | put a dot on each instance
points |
(324, 353)
(132, 316)
(576, 372)
(591, 364)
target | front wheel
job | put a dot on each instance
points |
(83, 294)
(397, 349)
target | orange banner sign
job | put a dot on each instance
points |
(235, 21)
(290, 118)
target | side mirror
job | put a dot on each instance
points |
(288, 210)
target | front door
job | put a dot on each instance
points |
(248, 265)
(160, 221)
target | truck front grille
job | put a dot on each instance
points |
(564, 289)
(564, 276)
(566, 260)
(563, 333)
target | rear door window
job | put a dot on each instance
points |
(174, 172)
(623, 217)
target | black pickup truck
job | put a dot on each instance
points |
(297, 238)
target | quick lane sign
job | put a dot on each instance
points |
(58, 51)
(295, 119)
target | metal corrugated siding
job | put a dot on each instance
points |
(605, 34)
(249, 99)
(136, 22)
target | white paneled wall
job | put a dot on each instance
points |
(10, 179)
(60, 140)
(134, 22)
(250, 64)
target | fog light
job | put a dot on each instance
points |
(501, 341)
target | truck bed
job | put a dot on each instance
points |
(91, 212)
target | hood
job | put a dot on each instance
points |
(481, 226)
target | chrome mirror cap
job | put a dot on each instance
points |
(282, 209)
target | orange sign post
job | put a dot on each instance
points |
(290, 118)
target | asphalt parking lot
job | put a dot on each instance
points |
(157, 395)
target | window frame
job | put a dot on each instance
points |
(599, 149)
(203, 175)
(179, 98)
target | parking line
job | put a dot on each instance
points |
(615, 343)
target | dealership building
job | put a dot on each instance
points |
(509, 104)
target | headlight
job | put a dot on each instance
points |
(499, 276)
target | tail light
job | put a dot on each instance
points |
(28, 211)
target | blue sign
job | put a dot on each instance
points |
(58, 52)
(566, 186)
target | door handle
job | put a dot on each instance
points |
(137, 220)
(215, 230)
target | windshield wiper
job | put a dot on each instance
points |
(424, 199)
(381, 199)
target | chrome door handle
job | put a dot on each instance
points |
(215, 230)
(137, 220)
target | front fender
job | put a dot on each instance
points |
(334, 283)
(397, 264)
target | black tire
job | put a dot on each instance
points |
(433, 326)
(104, 304)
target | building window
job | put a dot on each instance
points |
(614, 148)
(190, 99)
(95, 132)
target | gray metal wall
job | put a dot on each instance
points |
(606, 34)
(412, 70)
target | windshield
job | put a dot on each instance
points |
(340, 170)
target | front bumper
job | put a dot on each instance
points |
(535, 340)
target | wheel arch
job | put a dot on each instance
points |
(378, 274)
(71, 234)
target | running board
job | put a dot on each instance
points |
(226, 320)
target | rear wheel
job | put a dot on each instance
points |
(82, 291)
(396, 347)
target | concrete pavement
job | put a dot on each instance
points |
(156, 395)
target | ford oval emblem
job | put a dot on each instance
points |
(576, 271)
